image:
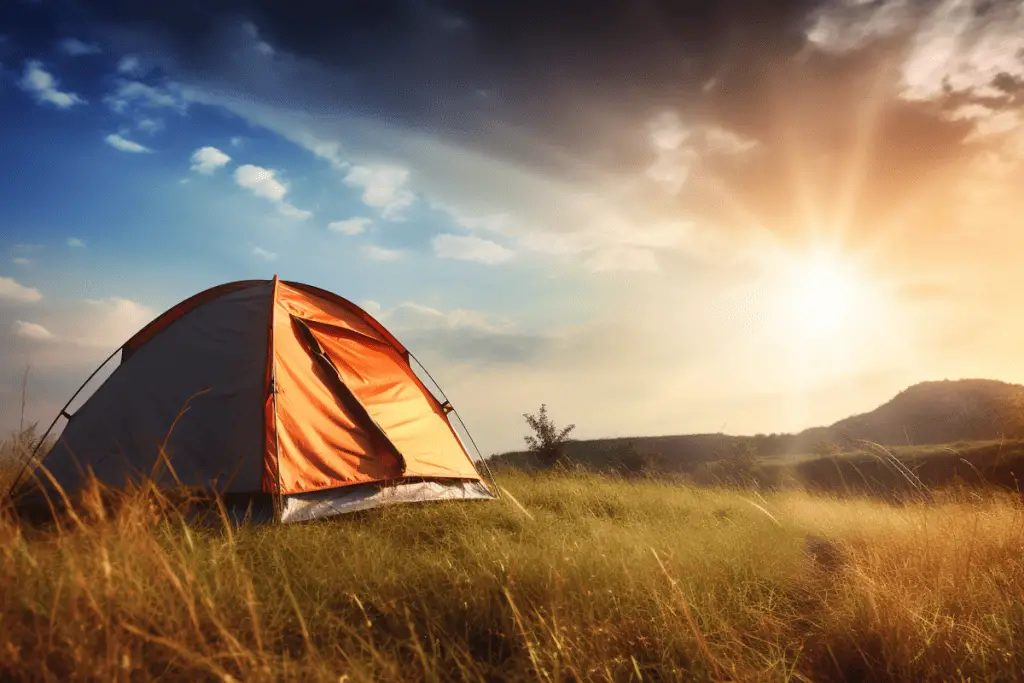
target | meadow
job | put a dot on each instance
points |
(572, 576)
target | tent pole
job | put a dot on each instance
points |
(487, 467)
(63, 412)
(278, 500)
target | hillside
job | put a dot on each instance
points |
(926, 413)
(942, 412)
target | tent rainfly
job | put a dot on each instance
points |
(290, 401)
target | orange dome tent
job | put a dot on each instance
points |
(274, 393)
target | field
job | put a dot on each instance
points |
(580, 577)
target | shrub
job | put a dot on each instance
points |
(547, 441)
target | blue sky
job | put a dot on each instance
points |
(664, 237)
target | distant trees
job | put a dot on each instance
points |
(630, 460)
(547, 440)
(734, 465)
(827, 449)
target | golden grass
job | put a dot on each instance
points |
(603, 579)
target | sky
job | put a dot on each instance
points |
(654, 217)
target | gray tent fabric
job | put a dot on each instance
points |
(204, 375)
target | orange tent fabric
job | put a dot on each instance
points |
(339, 406)
(325, 440)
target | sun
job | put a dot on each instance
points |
(823, 295)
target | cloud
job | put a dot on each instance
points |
(370, 306)
(33, 331)
(289, 211)
(206, 160)
(474, 220)
(383, 187)
(21, 261)
(952, 47)
(722, 141)
(75, 243)
(622, 260)
(12, 290)
(261, 46)
(262, 182)
(75, 47)
(129, 65)
(845, 25)
(107, 323)
(666, 131)
(466, 338)
(263, 254)
(350, 226)
(471, 248)
(987, 121)
(410, 315)
(143, 96)
(151, 126)
(378, 253)
(44, 87)
(125, 145)
(236, 141)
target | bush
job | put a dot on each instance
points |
(547, 441)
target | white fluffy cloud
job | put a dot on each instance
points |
(378, 253)
(76, 48)
(206, 160)
(350, 226)
(125, 145)
(953, 46)
(76, 243)
(678, 147)
(33, 331)
(471, 248)
(44, 87)
(129, 65)
(262, 182)
(384, 187)
(261, 253)
(851, 24)
(289, 211)
(143, 96)
(107, 323)
(666, 131)
(12, 290)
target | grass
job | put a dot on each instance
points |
(593, 578)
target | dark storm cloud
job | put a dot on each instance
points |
(562, 72)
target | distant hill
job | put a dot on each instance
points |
(923, 414)
(941, 412)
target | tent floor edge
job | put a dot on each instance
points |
(301, 507)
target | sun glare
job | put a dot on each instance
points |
(823, 296)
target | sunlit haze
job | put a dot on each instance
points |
(741, 217)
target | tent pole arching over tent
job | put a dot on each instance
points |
(63, 413)
(487, 467)
(309, 408)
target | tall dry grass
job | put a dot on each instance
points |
(592, 578)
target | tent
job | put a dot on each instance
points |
(290, 401)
